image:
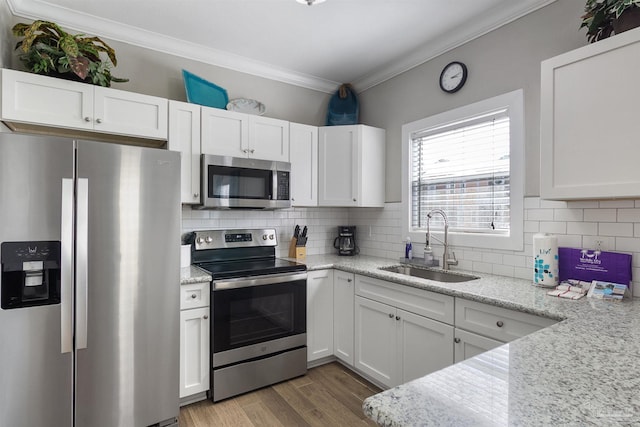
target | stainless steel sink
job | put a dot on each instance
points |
(423, 273)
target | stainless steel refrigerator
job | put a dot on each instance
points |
(89, 244)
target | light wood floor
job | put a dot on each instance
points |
(329, 395)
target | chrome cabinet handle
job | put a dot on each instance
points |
(194, 296)
(98, 120)
(354, 199)
(390, 315)
(205, 316)
(456, 340)
(195, 194)
(397, 317)
(87, 119)
(500, 323)
(252, 150)
(349, 280)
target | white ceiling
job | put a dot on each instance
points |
(364, 42)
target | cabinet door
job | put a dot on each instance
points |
(30, 98)
(376, 331)
(303, 154)
(184, 136)
(319, 314)
(581, 158)
(268, 139)
(194, 351)
(424, 346)
(127, 113)
(225, 133)
(343, 314)
(468, 345)
(338, 166)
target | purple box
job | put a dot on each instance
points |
(589, 265)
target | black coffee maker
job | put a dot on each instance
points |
(345, 243)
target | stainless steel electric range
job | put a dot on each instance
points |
(258, 310)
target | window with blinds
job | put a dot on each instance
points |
(463, 168)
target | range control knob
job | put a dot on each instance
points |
(271, 236)
(200, 240)
(209, 239)
(264, 237)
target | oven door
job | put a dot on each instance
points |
(258, 316)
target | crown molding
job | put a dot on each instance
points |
(68, 18)
(449, 42)
(78, 21)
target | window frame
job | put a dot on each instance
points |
(513, 102)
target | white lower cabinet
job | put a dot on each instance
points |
(393, 345)
(194, 339)
(319, 314)
(343, 316)
(468, 345)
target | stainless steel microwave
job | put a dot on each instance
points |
(233, 182)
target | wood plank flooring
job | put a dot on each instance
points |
(329, 395)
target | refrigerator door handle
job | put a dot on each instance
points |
(82, 248)
(66, 268)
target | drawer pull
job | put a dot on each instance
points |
(397, 317)
(205, 316)
(500, 323)
(194, 296)
(390, 315)
(349, 280)
(456, 340)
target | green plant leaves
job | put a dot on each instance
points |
(47, 49)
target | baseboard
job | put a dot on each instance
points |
(193, 398)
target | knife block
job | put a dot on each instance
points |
(297, 252)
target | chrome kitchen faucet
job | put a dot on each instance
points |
(446, 262)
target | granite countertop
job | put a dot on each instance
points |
(582, 371)
(193, 274)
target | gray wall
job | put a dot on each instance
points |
(6, 39)
(160, 74)
(500, 61)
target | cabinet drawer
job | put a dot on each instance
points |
(497, 322)
(194, 295)
(425, 303)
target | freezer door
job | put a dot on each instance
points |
(35, 375)
(128, 348)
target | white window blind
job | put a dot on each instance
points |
(463, 169)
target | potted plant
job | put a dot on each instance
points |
(605, 17)
(49, 50)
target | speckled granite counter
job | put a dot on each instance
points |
(583, 371)
(193, 274)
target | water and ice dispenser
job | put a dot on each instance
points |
(30, 273)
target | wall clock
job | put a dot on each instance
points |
(453, 77)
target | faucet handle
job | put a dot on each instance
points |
(453, 261)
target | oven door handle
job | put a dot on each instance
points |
(267, 279)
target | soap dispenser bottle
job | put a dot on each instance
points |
(408, 249)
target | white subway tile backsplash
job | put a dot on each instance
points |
(617, 203)
(615, 229)
(553, 204)
(553, 227)
(600, 215)
(568, 214)
(628, 215)
(539, 214)
(611, 224)
(582, 228)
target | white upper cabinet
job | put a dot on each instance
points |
(56, 103)
(229, 133)
(351, 166)
(589, 126)
(184, 136)
(303, 152)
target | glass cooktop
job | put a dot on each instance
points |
(251, 267)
